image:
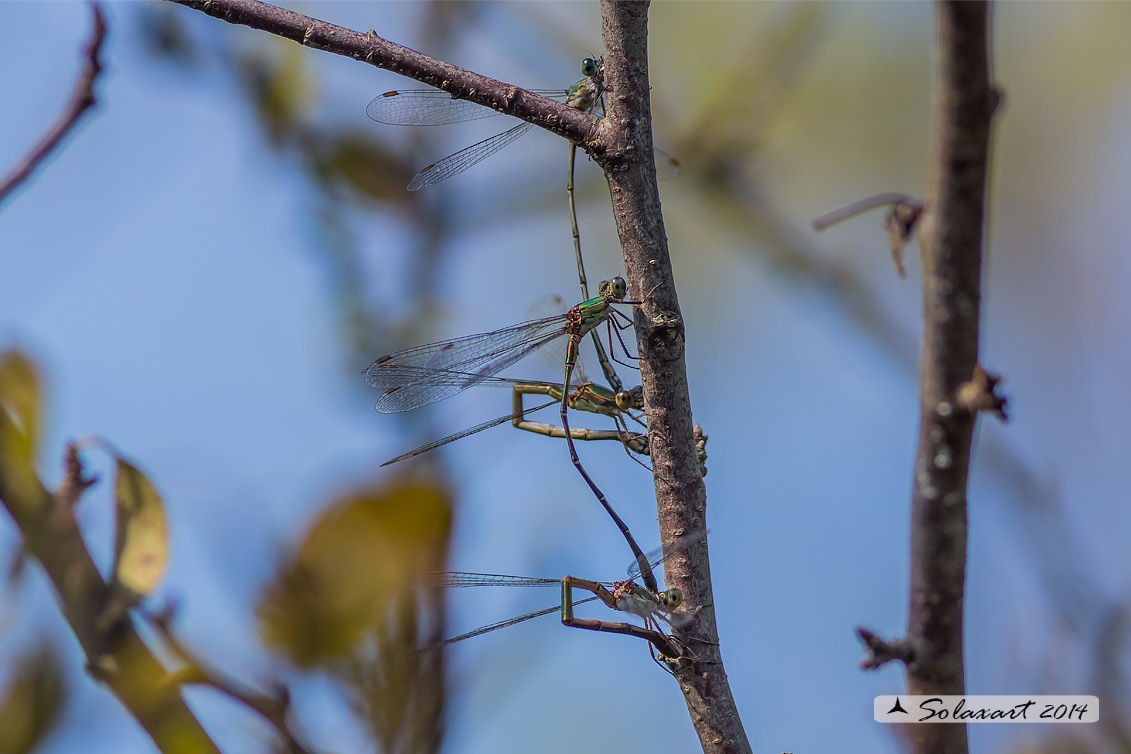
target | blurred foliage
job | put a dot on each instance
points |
(19, 427)
(166, 37)
(346, 603)
(30, 705)
(19, 398)
(352, 577)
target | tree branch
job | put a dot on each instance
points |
(82, 100)
(369, 48)
(950, 240)
(118, 657)
(681, 497)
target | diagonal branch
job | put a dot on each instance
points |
(82, 100)
(950, 239)
(369, 48)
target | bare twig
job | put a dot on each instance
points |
(900, 221)
(82, 100)
(271, 707)
(882, 651)
(862, 206)
(950, 240)
(74, 481)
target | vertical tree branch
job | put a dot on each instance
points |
(82, 99)
(950, 238)
(680, 495)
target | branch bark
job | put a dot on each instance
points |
(681, 497)
(950, 240)
(82, 100)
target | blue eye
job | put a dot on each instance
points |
(588, 67)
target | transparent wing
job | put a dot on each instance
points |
(432, 107)
(503, 624)
(462, 578)
(667, 167)
(425, 374)
(465, 433)
(454, 164)
(655, 557)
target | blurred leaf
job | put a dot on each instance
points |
(164, 35)
(141, 549)
(20, 396)
(354, 572)
(366, 165)
(279, 87)
(20, 488)
(31, 704)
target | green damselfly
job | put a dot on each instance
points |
(425, 374)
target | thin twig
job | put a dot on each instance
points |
(950, 240)
(81, 101)
(882, 651)
(860, 207)
(74, 482)
(900, 221)
(272, 708)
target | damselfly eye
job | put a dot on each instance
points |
(588, 67)
(673, 597)
(624, 400)
(618, 288)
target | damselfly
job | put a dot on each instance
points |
(425, 374)
(625, 596)
(434, 107)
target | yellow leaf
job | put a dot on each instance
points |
(19, 397)
(351, 578)
(142, 546)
